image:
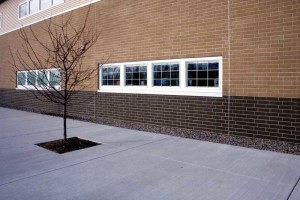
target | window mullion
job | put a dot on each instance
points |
(122, 76)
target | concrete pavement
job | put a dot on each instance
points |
(134, 165)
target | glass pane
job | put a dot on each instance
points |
(213, 83)
(202, 74)
(213, 74)
(33, 6)
(23, 10)
(157, 82)
(143, 68)
(110, 69)
(129, 76)
(117, 69)
(157, 75)
(175, 74)
(110, 82)
(165, 68)
(143, 75)
(136, 69)
(104, 76)
(116, 82)
(201, 66)
(136, 82)
(104, 82)
(175, 67)
(192, 66)
(55, 77)
(128, 82)
(21, 78)
(128, 69)
(165, 82)
(31, 78)
(143, 82)
(42, 78)
(157, 68)
(202, 83)
(104, 70)
(116, 75)
(213, 66)
(175, 82)
(192, 74)
(110, 75)
(54, 2)
(192, 82)
(136, 75)
(166, 75)
(44, 4)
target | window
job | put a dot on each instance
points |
(111, 75)
(38, 79)
(23, 10)
(54, 77)
(44, 4)
(166, 74)
(30, 7)
(203, 74)
(33, 6)
(188, 76)
(31, 78)
(136, 75)
(21, 76)
(42, 78)
(55, 2)
(1, 20)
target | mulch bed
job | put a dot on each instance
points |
(72, 144)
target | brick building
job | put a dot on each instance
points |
(200, 69)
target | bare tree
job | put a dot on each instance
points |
(53, 59)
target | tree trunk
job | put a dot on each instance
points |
(65, 122)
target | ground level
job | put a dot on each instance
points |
(134, 165)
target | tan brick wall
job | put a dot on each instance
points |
(265, 48)
(265, 39)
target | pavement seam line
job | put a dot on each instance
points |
(290, 194)
(79, 163)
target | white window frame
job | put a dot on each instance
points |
(182, 89)
(39, 8)
(36, 87)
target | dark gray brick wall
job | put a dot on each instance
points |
(255, 117)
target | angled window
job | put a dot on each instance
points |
(44, 4)
(55, 2)
(136, 75)
(1, 20)
(111, 75)
(33, 6)
(23, 9)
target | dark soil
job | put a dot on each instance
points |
(72, 144)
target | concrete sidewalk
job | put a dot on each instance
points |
(134, 165)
